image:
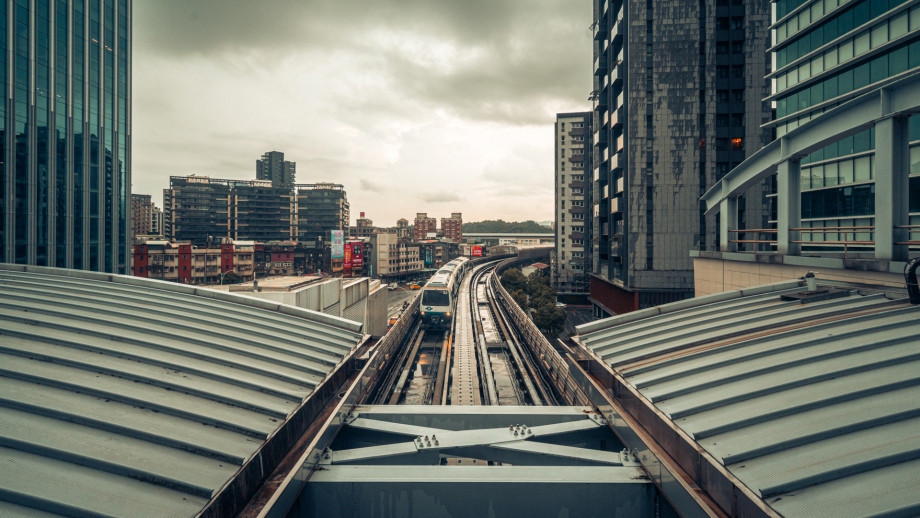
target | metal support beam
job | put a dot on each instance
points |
(788, 204)
(728, 221)
(447, 491)
(892, 169)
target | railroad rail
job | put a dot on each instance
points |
(492, 355)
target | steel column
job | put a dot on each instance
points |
(788, 204)
(728, 221)
(892, 169)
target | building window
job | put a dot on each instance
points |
(737, 144)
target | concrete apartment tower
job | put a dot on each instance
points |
(571, 262)
(275, 168)
(678, 90)
(65, 163)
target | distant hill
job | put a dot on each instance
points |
(506, 227)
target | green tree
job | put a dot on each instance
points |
(514, 280)
(232, 278)
(508, 227)
(521, 298)
(549, 319)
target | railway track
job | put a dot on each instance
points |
(480, 360)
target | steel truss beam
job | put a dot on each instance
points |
(516, 444)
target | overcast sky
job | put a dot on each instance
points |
(414, 105)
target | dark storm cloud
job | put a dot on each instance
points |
(509, 57)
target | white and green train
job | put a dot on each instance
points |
(439, 296)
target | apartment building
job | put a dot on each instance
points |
(571, 262)
(320, 208)
(452, 227)
(197, 208)
(424, 226)
(274, 168)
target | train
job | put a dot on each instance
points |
(439, 295)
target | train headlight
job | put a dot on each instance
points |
(423, 313)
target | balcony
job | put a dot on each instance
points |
(600, 27)
(600, 65)
(620, 143)
(600, 138)
(620, 185)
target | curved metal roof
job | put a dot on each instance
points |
(815, 407)
(122, 396)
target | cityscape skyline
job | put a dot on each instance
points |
(393, 106)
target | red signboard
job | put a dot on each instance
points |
(357, 255)
(347, 261)
(477, 251)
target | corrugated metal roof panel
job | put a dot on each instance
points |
(127, 397)
(798, 401)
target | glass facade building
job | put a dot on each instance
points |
(65, 173)
(826, 52)
(678, 97)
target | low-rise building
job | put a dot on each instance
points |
(186, 264)
(360, 299)
(392, 257)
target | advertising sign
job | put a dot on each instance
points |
(357, 255)
(477, 251)
(338, 244)
(429, 256)
(347, 263)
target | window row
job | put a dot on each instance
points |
(860, 12)
(857, 200)
(900, 59)
(853, 170)
(846, 50)
(859, 143)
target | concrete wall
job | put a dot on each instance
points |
(718, 275)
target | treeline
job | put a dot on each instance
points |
(510, 227)
(534, 292)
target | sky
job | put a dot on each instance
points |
(433, 106)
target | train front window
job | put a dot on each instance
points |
(435, 298)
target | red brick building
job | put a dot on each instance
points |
(424, 225)
(452, 227)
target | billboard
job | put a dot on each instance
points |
(347, 263)
(338, 244)
(477, 251)
(429, 256)
(357, 255)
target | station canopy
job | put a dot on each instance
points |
(122, 396)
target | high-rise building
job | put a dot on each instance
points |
(678, 90)
(65, 169)
(572, 255)
(320, 208)
(147, 218)
(261, 212)
(198, 207)
(452, 227)
(275, 168)
(424, 226)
